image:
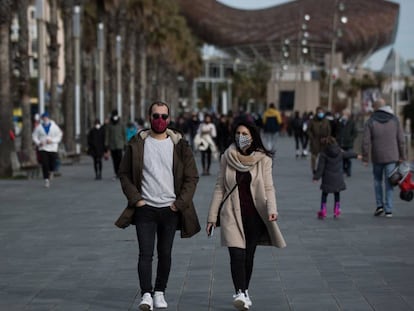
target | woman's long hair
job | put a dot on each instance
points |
(257, 143)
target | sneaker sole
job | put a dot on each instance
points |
(145, 308)
(240, 305)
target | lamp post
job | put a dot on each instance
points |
(101, 71)
(118, 58)
(76, 39)
(337, 32)
(41, 53)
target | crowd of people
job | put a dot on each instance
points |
(158, 173)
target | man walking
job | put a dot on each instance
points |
(47, 136)
(272, 120)
(384, 140)
(346, 132)
(319, 127)
(158, 176)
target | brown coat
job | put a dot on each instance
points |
(185, 181)
(263, 193)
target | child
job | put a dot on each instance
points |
(330, 170)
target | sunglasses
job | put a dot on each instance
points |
(157, 116)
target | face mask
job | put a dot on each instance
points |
(243, 142)
(159, 125)
(321, 115)
(98, 126)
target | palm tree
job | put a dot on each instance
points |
(68, 96)
(6, 107)
(53, 49)
(24, 80)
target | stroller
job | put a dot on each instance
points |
(401, 176)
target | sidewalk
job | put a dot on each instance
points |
(61, 251)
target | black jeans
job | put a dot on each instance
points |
(48, 160)
(206, 160)
(116, 155)
(241, 260)
(150, 222)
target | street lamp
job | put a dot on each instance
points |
(100, 47)
(337, 32)
(76, 39)
(118, 57)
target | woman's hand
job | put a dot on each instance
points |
(208, 227)
(272, 217)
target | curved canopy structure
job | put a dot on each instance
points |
(269, 33)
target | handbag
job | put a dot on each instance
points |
(221, 205)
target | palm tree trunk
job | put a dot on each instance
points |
(52, 29)
(68, 96)
(7, 147)
(24, 83)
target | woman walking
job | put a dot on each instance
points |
(249, 214)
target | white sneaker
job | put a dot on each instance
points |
(248, 300)
(159, 300)
(146, 303)
(47, 183)
(240, 302)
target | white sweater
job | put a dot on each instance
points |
(50, 141)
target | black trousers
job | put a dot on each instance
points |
(155, 224)
(116, 155)
(241, 260)
(48, 161)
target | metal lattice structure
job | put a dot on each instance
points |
(261, 34)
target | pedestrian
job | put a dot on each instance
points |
(223, 134)
(297, 130)
(346, 132)
(96, 147)
(158, 175)
(383, 141)
(330, 170)
(131, 130)
(47, 136)
(115, 140)
(272, 122)
(204, 140)
(249, 214)
(319, 128)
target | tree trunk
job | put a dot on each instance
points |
(7, 147)
(24, 83)
(68, 91)
(142, 53)
(53, 50)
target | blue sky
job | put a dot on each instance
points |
(404, 43)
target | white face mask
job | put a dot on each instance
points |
(243, 141)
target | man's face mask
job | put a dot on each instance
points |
(159, 122)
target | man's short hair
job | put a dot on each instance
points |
(158, 103)
(380, 102)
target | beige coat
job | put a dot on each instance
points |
(263, 193)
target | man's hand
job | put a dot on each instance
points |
(173, 208)
(140, 203)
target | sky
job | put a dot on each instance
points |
(404, 42)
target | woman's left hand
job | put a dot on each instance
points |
(272, 217)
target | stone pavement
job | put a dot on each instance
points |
(61, 251)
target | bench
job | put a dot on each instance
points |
(27, 165)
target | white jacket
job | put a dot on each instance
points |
(47, 142)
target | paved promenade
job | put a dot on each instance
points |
(61, 251)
